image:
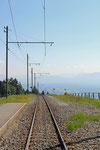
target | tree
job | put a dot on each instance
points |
(19, 89)
(42, 93)
(3, 88)
(65, 93)
(35, 91)
(14, 87)
(47, 92)
(12, 90)
(13, 82)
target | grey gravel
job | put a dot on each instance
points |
(82, 138)
(15, 136)
(44, 136)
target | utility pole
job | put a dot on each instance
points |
(14, 42)
(38, 85)
(35, 77)
(32, 74)
(32, 78)
(27, 73)
(6, 30)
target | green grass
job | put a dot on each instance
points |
(17, 99)
(81, 100)
(77, 120)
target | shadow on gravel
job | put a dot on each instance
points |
(83, 140)
(72, 143)
(52, 147)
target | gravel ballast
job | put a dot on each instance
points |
(82, 138)
(15, 137)
(44, 136)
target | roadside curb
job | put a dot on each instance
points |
(10, 121)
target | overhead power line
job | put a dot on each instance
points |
(42, 63)
(42, 3)
(16, 56)
(14, 27)
(14, 44)
(12, 52)
(2, 41)
(12, 19)
(44, 27)
(44, 9)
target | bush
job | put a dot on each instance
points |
(65, 93)
(42, 93)
(35, 91)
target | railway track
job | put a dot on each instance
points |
(44, 133)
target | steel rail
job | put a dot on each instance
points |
(63, 145)
(30, 132)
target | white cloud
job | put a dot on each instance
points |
(72, 69)
(53, 69)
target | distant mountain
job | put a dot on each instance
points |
(85, 82)
(91, 78)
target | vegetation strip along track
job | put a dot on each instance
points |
(33, 135)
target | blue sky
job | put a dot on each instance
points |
(73, 25)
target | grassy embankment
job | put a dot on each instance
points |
(77, 120)
(81, 100)
(17, 99)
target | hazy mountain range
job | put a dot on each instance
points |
(85, 82)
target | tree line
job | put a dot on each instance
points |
(14, 87)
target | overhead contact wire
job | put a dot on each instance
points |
(14, 26)
(44, 26)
